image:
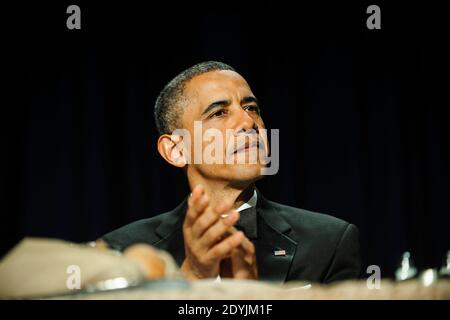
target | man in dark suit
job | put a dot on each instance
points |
(226, 228)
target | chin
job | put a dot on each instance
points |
(245, 172)
(236, 173)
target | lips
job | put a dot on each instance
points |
(246, 146)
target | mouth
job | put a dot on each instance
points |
(247, 146)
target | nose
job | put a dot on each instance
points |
(244, 122)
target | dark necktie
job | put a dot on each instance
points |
(248, 222)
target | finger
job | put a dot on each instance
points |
(197, 202)
(196, 210)
(243, 265)
(208, 218)
(248, 246)
(204, 222)
(224, 248)
(239, 268)
(223, 208)
(219, 230)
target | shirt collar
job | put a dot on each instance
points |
(250, 203)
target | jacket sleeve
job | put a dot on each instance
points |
(346, 263)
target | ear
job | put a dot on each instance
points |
(171, 150)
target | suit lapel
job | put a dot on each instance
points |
(174, 244)
(274, 249)
(171, 232)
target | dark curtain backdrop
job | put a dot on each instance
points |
(363, 114)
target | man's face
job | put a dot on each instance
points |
(224, 101)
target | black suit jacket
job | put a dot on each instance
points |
(319, 248)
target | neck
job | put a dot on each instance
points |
(219, 191)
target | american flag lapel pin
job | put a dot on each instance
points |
(279, 252)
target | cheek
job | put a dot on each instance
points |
(214, 135)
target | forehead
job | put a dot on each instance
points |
(217, 84)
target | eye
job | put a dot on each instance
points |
(218, 113)
(252, 108)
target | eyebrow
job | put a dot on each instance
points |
(216, 104)
(224, 103)
(248, 99)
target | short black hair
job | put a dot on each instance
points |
(168, 108)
